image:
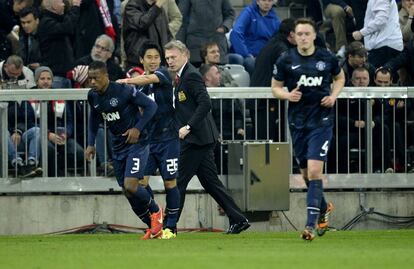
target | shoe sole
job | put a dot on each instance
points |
(322, 230)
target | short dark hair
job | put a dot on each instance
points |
(306, 21)
(29, 10)
(98, 65)
(204, 48)
(287, 26)
(356, 48)
(383, 70)
(204, 68)
(147, 46)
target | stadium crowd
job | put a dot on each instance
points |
(46, 44)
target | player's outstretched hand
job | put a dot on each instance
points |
(295, 95)
(328, 101)
(90, 153)
(132, 135)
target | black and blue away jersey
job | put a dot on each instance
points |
(119, 107)
(313, 74)
(162, 125)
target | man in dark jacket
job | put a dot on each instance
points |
(144, 20)
(262, 77)
(55, 32)
(92, 23)
(198, 135)
(29, 41)
(205, 21)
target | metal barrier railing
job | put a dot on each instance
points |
(254, 110)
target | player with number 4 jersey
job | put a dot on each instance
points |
(164, 142)
(126, 112)
(314, 80)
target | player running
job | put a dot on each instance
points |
(308, 71)
(119, 106)
(164, 142)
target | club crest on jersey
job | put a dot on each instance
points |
(309, 81)
(113, 102)
(320, 66)
(181, 96)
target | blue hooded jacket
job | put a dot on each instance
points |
(252, 30)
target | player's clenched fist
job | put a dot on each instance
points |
(295, 95)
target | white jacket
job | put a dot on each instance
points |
(381, 25)
(25, 83)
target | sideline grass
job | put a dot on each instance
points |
(352, 249)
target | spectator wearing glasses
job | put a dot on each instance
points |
(103, 50)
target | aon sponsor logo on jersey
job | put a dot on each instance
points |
(111, 116)
(310, 81)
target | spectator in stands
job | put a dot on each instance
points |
(210, 54)
(254, 27)
(102, 51)
(14, 75)
(24, 135)
(205, 21)
(351, 125)
(381, 112)
(262, 77)
(29, 42)
(144, 20)
(96, 18)
(381, 32)
(356, 56)
(352, 121)
(406, 16)
(404, 61)
(55, 32)
(63, 151)
(392, 111)
(223, 109)
(338, 11)
(227, 115)
(174, 17)
(8, 13)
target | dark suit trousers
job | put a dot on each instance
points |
(199, 160)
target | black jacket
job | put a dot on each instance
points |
(404, 60)
(193, 107)
(21, 117)
(142, 23)
(90, 26)
(29, 54)
(263, 70)
(55, 35)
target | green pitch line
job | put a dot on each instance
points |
(352, 249)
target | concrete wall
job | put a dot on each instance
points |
(39, 214)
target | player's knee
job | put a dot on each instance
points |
(169, 184)
(143, 182)
(314, 174)
(131, 185)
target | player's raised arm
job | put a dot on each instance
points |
(140, 80)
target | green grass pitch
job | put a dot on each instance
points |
(351, 249)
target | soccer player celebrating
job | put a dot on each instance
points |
(164, 143)
(119, 106)
(308, 71)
